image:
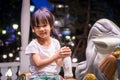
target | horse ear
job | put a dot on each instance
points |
(108, 42)
(100, 43)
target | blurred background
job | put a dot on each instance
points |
(74, 18)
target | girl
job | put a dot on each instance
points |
(46, 56)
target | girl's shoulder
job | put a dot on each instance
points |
(56, 43)
(32, 43)
(54, 40)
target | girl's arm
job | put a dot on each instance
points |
(59, 62)
(62, 53)
(40, 63)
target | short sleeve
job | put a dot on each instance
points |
(31, 48)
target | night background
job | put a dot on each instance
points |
(75, 17)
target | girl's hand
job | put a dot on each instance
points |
(64, 52)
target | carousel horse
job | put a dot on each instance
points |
(100, 58)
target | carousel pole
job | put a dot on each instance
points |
(25, 27)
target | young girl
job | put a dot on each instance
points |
(46, 55)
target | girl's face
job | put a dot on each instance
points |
(42, 30)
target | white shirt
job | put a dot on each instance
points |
(35, 47)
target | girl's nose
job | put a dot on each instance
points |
(41, 28)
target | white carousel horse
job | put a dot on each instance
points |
(103, 37)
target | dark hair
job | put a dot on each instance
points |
(44, 16)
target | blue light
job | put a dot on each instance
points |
(11, 39)
(42, 3)
(9, 30)
(66, 32)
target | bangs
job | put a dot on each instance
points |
(40, 19)
(42, 16)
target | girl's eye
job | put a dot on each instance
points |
(41, 26)
(44, 25)
(37, 26)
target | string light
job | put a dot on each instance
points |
(4, 56)
(19, 33)
(32, 8)
(3, 31)
(10, 54)
(74, 60)
(15, 26)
